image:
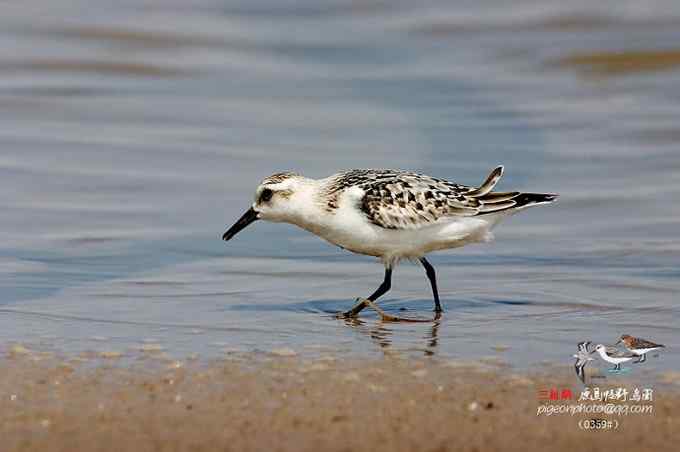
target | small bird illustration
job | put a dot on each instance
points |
(613, 355)
(639, 347)
(388, 214)
(582, 358)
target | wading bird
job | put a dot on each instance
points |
(389, 214)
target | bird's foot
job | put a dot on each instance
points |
(384, 316)
(354, 312)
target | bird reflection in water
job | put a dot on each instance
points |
(381, 332)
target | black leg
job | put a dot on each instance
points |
(617, 366)
(642, 358)
(381, 290)
(429, 271)
(384, 287)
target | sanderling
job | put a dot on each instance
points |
(639, 347)
(582, 358)
(613, 355)
(389, 214)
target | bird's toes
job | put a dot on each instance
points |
(346, 315)
(353, 313)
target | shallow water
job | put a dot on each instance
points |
(132, 135)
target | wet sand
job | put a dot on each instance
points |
(260, 402)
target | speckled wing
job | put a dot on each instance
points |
(403, 200)
(579, 367)
(643, 343)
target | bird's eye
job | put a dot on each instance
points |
(266, 195)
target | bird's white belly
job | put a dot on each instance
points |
(642, 351)
(394, 244)
(614, 359)
(617, 360)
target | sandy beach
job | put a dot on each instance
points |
(287, 403)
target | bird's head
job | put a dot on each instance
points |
(277, 199)
(600, 348)
(625, 338)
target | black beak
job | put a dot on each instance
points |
(618, 342)
(242, 222)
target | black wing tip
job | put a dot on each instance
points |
(653, 344)
(525, 199)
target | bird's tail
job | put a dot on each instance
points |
(488, 185)
(491, 202)
(532, 199)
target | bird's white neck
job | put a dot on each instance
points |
(304, 208)
(603, 353)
